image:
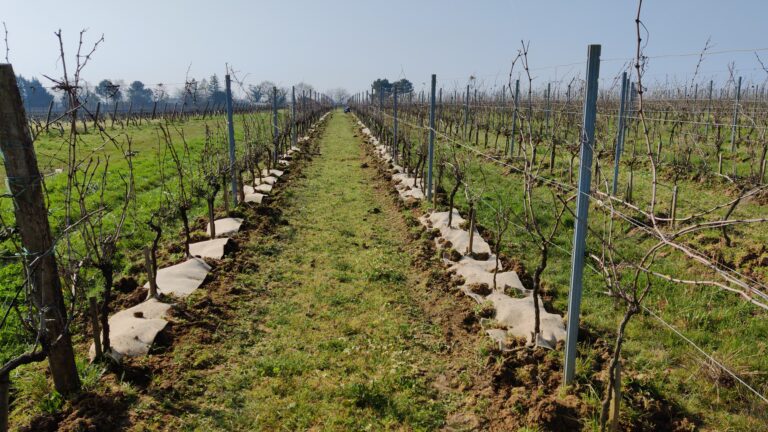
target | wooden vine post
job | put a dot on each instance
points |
(25, 183)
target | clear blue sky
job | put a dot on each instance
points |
(348, 43)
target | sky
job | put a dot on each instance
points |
(349, 43)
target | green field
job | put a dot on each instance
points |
(326, 319)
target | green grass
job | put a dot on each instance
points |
(335, 349)
(329, 337)
(149, 156)
(31, 384)
(725, 325)
(722, 324)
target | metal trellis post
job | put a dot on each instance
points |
(620, 133)
(394, 125)
(275, 131)
(431, 153)
(735, 116)
(582, 210)
(466, 113)
(514, 118)
(231, 131)
(709, 108)
(293, 116)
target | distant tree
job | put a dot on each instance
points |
(339, 95)
(33, 93)
(87, 96)
(191, 92)
(109, 90)
(381, 85)
(22, 84)
(214, 85)
(139, 95)
(202, 91)
(63, 101)
(215, 94)
(159, 93)
(255, 94)
(282, 96)
(303, 87)
(403, 86)
(266, 87)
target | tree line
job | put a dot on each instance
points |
(194, 92)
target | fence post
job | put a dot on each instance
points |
(381, 105)
(275, 131)
(620, 133)
(466, 113)
(440, 100)
(25, 185)
(582, 210)
(514, 119)
(231, 130)
(431, 153)
(547, 109)
(695, 99)
(709, 108)
(394, 124)
(93, 311)
(673, 212)
(293, 116)
(151, 272)
(48, 116)
(735, 118)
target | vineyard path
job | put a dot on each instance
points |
(337, 339)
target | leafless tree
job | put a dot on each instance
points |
(339, 95)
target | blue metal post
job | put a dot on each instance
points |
(695, 98)
(275, 130)
(582, 209)
(231, 130)
(709, 107)
(466, 113)
(440, 99)
(735, 116)
(431, 153)
(620, 133)
(381, 105)
(294, 139)
(394, 123)
(514, 118)
(548, 106)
